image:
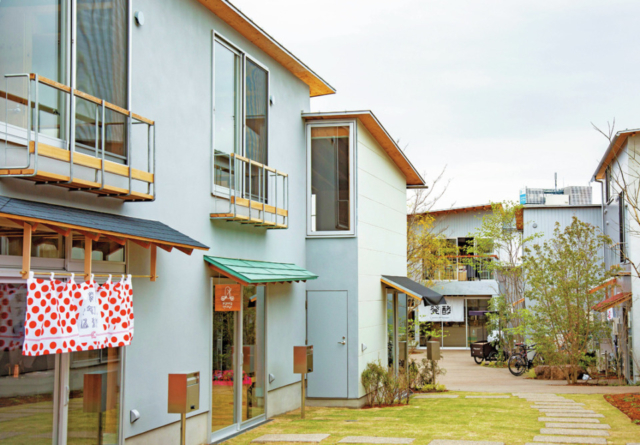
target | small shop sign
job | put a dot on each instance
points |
(228, 297)
(453, 310)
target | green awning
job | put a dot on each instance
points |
(258, 272)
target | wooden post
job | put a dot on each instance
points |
(26, 251)
(88, 249)
(154, 255)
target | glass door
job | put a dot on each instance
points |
(238, 388)
(397, 330)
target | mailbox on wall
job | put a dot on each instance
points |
(302, 359)
(184, 392)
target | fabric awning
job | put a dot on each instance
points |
(64, 218)
(250, 272)
(413, 289)
(612, 301)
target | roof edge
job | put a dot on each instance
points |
(259, 37)
(615, 146)
(415, 179)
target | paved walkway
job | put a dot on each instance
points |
(464, 375)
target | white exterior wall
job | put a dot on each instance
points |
(382, 241)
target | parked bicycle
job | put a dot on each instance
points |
(524, 359)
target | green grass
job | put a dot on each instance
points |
(511, 421)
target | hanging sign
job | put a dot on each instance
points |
(453, 310)
(228, 297)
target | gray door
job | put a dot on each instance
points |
(327, 332)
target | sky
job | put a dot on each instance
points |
(500, 93)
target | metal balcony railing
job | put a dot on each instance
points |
(250, 192)
(93, 163)
(464, 268)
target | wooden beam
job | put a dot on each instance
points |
(183, 250)
(88, 249)
(116, 239)
(59, 230)
(23, 223)
(26, 251)
(165, 248)
(144, 244)
(89, 235)
(154, 257)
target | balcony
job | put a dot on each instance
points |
(249, 192)
(95, 153)
(464, 268)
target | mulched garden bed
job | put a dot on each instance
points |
(627, 403)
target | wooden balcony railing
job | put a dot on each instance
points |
(249, 192)
(76, 165)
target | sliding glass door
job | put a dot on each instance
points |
(397, 330)
(238, 384)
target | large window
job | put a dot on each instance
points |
(241, 101)
(32, 40)
(330, 169)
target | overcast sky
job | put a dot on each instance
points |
(501, 92)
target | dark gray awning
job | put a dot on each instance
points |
(103, 223)
(413, 289)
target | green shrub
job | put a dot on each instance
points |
(383, 386)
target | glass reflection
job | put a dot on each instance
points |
(253, 388)
(222, 397)
(94, 400)
(26, 383)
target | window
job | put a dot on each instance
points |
(43, 245)
(607, 184)
(32, 36)
(622, 229)
(331, 186)
(241, 120)
(101, 250)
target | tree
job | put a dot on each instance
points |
(560, 274)
(497, 249)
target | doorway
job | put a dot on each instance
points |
(327, 331)
(397, 341)
(42, 398)
(238, 375)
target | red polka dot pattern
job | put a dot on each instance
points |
(56, 311)
(12, 316)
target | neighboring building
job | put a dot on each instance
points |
(356, 234)
(217, 151)
(571, 195)
(617, 174)
(466, 287)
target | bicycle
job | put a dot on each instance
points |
(520, 362)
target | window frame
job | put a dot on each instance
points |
(352, 178)
(218, 190)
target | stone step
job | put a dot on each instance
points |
(376, 440)
(587, 426)
(566, 439)
(558, 403)
(567, 419)
(573, 432)
(568, 411)
(463, 442)
(557, 406)
(572, 415)
(487, 397)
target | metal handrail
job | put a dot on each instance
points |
(240, 187)
(72, 119)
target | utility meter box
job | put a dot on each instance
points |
(96, 395)
(433, 350)
(184, 393)
(302, 359)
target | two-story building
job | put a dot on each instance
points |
(155, 160)
(617, 174)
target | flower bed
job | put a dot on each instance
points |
(627, 403)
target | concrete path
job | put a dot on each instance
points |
(464, 375)
(557, 429)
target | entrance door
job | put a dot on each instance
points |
(327, 332)
(238, 385)
(397, 330)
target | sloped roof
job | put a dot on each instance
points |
(616, 145)
(373, 125)
(107, 223)
(258, 272)
(416, 290)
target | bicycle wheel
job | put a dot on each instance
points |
(478, 360)
(517, 365)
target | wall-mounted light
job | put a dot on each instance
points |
(364, 347)
(134, 415)
(139, 16)
(271, 378)
(535, 225)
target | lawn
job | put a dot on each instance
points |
(511, 421)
